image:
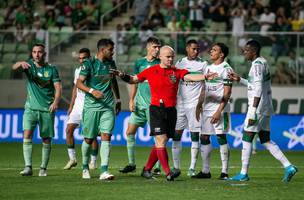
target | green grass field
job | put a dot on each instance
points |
(265, 173)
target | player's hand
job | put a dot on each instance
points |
(211, 75)
(216, 117)
(53, 107)
(198, 111)
(24, 65)
(234, 76)
(117, 107)
(97, 94)
(116, 72)
(132, 106)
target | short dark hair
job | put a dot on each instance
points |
(189, 42)
(85, 50)
(255, 45)
(153, 40)
(224, 48)
(38, 45)
(104, 43)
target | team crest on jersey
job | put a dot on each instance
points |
(172, 78)
(46, 74)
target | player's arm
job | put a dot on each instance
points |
(58, 91)
(132, 97)
(125, 77)
(115, 89)
(73, 97)
(199, 106)
(226, 96)
(235, 77)
(21, 64)
(200, 77)
(80, 84)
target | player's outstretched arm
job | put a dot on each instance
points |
(235, 77)
(125, 77)
(22, 64)
(200, 77)
(80, 84)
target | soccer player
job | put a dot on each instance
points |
(216, 110)
(43, 96)
(163, 80)
(75, 116)
(187, 98)
(99, 110)
(140, 107)
(259, 112)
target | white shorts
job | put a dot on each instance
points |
(221, 127)
(75, 116)
(262, 124)
(186, 120)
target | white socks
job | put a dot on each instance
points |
(224, 150)
(205, 153)
(194, 153)
(72, 153)
(246, 153)
(277, 153)
(176, 153)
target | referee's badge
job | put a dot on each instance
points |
(172, 78)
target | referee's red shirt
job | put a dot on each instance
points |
(163, 83)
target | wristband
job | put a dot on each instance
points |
(91, 90)
(126, 78)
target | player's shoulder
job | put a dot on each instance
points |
(259, 61)
(226, 65)
(140, 60)
(50, 66)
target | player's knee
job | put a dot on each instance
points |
(47, 140)
(264, 136)
(88, 140)
(194, 136)
(222, 139)
(248, 137)
(205, 139)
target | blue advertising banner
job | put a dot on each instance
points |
(286, 130)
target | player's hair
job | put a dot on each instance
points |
(255, 45)
(153, 40)
(224, 48)
(189, 42)
(104, 43)
(85, 50)
(39, 45)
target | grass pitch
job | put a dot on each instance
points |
(265, 172)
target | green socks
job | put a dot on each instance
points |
(85, 149)
(27, 151)
(131, 149)
(105, 149)
(46, 151)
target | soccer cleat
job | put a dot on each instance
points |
(92, 165)
(27, 171)
(146, 174)
(156, 171)
(42, 172)
(191, 172)
(70, 164)
(106, 176)
(175, 172)
(223, 176)
(290, 171)
(240, 177)
(86, 174)
(170, 176)
(128, 168)
(202, 175)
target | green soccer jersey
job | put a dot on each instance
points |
(40, 86)
(143, 94)
(99, 78)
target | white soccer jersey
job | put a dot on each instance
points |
(259, 75)
(79, 101)
(189, 91)
(214, 89)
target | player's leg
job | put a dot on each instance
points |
(71, 145)
(276, 152)
(29, 123)
(94, 153)
(195, 128)
(131, 130)
(254, 144)
(106, 125)
(85, 151)
(47, 132)
(224, 152)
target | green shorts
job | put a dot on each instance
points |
(140, 117)
(96, 122)
(45, 120)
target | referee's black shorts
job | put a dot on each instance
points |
(162, 120)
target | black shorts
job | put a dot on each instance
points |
(162, 121)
